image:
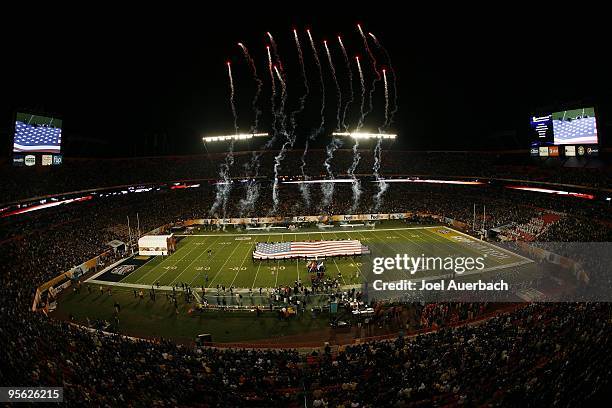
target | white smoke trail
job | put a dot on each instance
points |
(281, 155)
(350, 81)
(382, 185)
(328, 188)
(356, 185)
(394, 81)
(305, 188)
(224, 186)
(252, 188)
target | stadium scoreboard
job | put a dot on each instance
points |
(565, 133)
(37, 140)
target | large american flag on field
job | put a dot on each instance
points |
(33, 138)
(308, 249)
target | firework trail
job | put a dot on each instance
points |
(374, 68)
(362, 106)
(273, 96)
(275, 52)
(232, 101)
(278, 66)
(318, 62)
(305, 188)
(338, 91)
(306, 86)
(259, 83)
(350, 78)
(281, 108)
(386, 98)
(394, 82)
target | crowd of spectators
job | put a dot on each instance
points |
(22, 183)
(537, 355)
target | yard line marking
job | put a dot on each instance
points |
(297, 263)
(221, 268)
(277, 266)
(259, 266)
(242, 263)
(352, 257)
(334, 258)
(192, 262)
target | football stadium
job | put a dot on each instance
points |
(309, 216)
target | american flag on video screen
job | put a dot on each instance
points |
(281, 250)
(32, 138)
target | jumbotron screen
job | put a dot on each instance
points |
(577, 126)
(575, 130)
(37, 134)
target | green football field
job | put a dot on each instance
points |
(230, 262)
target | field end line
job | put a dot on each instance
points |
(160, 264)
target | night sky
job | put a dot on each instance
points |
(132, 84)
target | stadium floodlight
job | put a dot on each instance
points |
(323, 181)
(365, 135)
(238, 136)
